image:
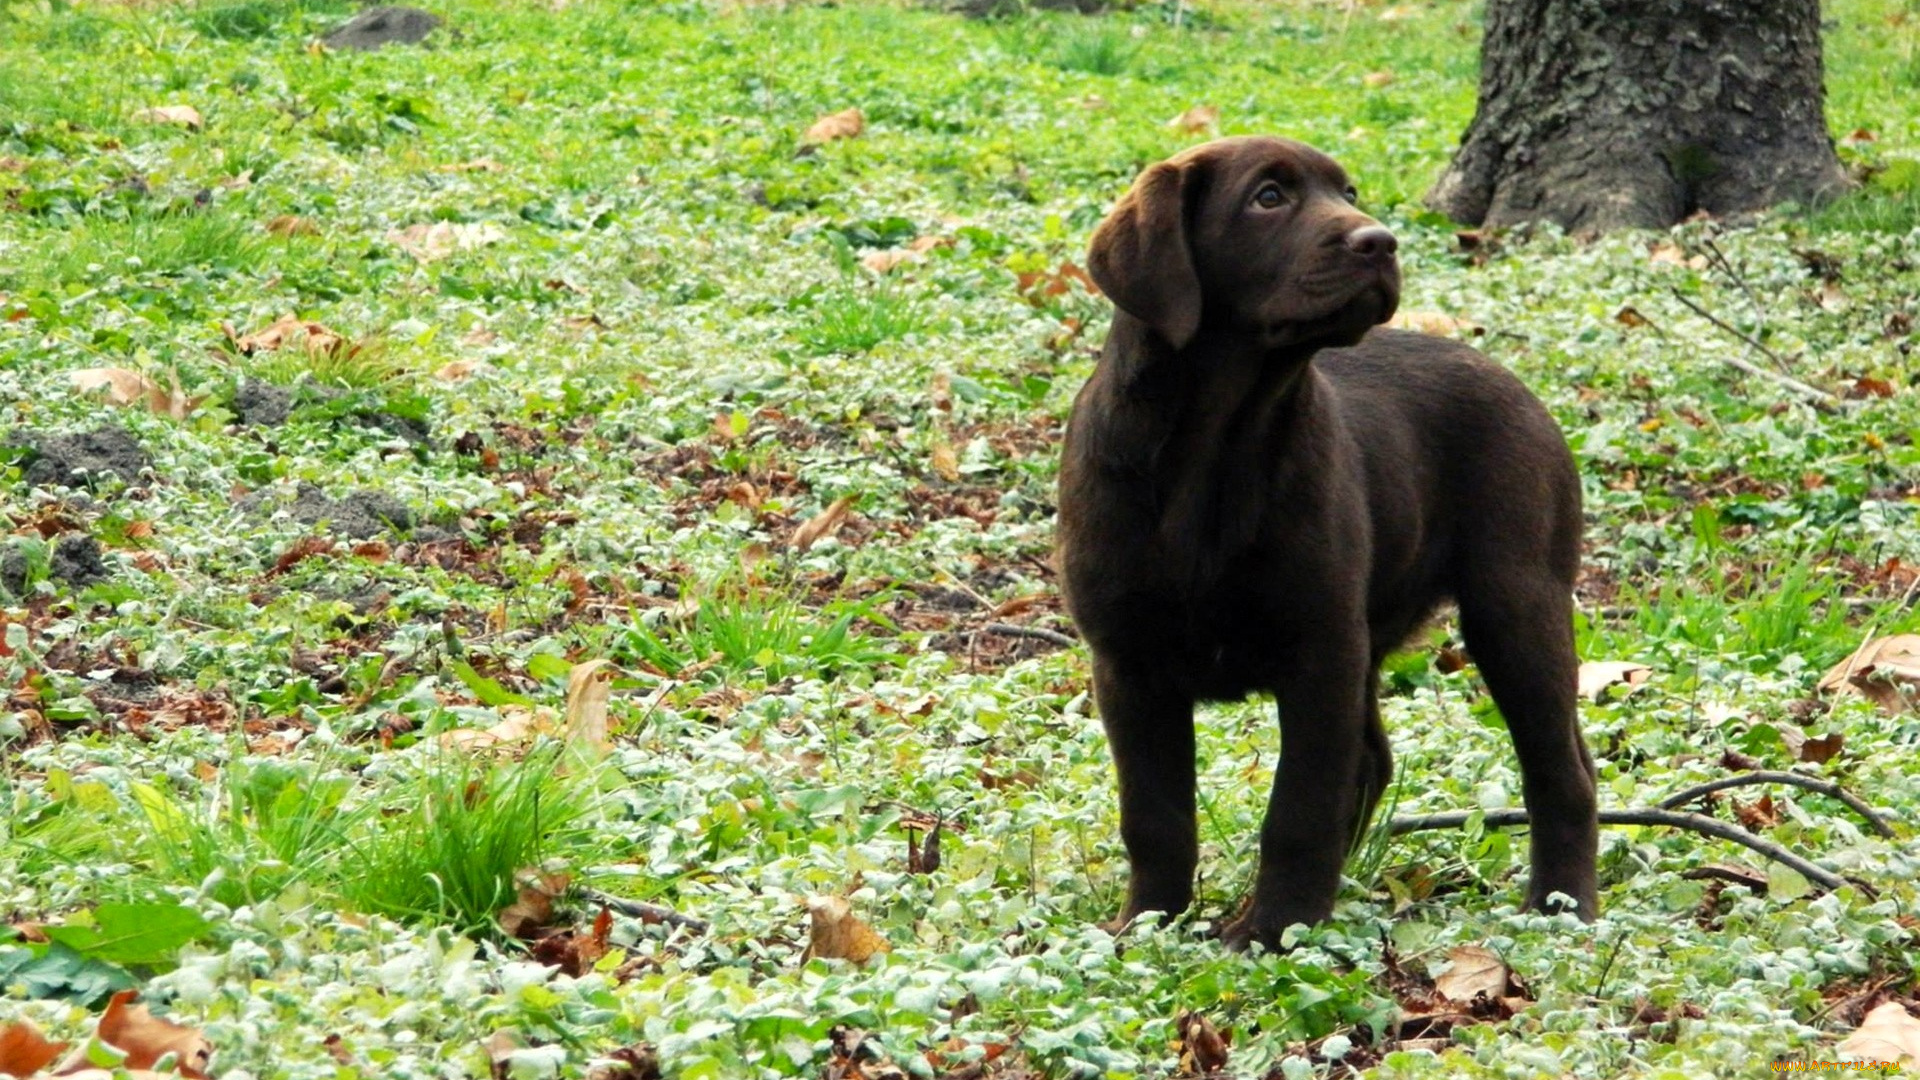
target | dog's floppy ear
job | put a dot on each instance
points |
(1139, 255)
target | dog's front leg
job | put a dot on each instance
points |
(1316, 801)
(1150, 732)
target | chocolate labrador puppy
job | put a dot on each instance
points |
(1261, 492)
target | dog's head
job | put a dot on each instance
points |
(1250, 235)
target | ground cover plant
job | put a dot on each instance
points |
(354, 399)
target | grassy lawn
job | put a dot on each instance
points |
(539, 344)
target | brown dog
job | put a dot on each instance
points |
(1259, 492)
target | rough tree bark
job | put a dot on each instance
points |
(1599, 114)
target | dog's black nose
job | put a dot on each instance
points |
(1373, 241)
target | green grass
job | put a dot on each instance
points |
(450, 840)
(674, 354)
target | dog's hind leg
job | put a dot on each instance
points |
(1376, 767)
(1519, 630)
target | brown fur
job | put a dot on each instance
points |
(1259, 492)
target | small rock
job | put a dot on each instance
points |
(82, 458)
(377, 27)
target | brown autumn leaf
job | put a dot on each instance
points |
(1885, 671)
(1668, 253)
(838, 934)
(500, 1047)
(1758, 815)
(845, 124)
(1889, 1033)
(1437, 323)
(823, 524)
(1821, 749)
(589, 685)
(293, 225)
(185, 116)
(944, 460)
(24, 1051)
(288, 330)
(144, 1038)
(124, 386)
(1197, 120)
(887, 260)
(1203, 1049)
(456, 370)
(1476, 971)
(435, 241)
(532, 910)
(518, 724)
(1596, 676)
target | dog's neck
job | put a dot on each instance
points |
(1208, 427)
(1224, 375)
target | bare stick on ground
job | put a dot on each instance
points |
(1678, 819)
(1811, 393)
(1828, 788)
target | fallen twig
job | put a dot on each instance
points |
(1678, 819)
(1828, 788)
(649, 913)
(1039, 633)
(1812, 393)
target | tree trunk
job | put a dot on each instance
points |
(1598, 114)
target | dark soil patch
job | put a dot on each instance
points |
(76, 561)
(258, 404)
(358, 514)
(82, 458)
(379, 27)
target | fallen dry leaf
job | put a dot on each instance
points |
(589, 685)
(1476, 971)
(184, 115)
(430, 243)
(945, 461)
(1203, 1050)
(838, 934)
(1884, 670)
(845, 124)
(518, 724)
(1197, 120)
(1596, 676)
(292, 225)
(24, 1051)
(1668, 253)
(1437, 323)
(144, 1038)
(889, 259)
(287, 330)
(1889, 1033)
(124, 386)
(823, 524)
(532, 909)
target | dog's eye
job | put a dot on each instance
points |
(1353, 195)
(1269, 197)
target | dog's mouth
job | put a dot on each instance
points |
(1346, 321)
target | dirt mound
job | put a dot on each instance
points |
(81, 458)
(379, 27)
